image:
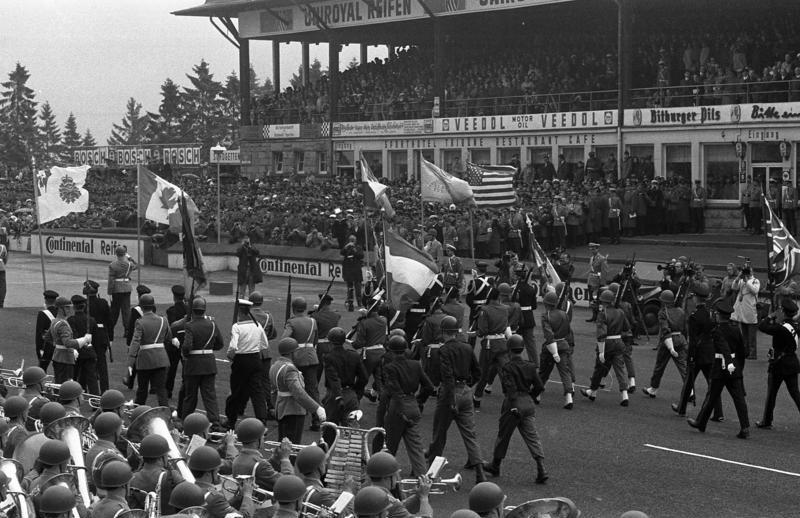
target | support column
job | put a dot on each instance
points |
(333, 79)
(244, 81)
(276, 66)
(305, 66)
(439, 61)
(363, 56)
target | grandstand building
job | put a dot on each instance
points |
(704, 90)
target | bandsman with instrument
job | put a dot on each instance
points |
(251, 462)
(345, 379)
(114, 478)
(42, 338)
(201, 339)
(204, 463)
(108, 428)
(34, 379)
(487, 500)
(69, 394)
(383, 472)
(15, 409)
(310, 466)
(154, 475)
(303, 329)
(289, 492)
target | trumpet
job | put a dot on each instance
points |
(232, 486)
(439, 486)
(8, 379)
(337, 509)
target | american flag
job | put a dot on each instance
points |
(493, 185)
(784, 251)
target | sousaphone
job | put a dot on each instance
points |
(71, 429)
(27, 451)
(156, 421)
(15, 496)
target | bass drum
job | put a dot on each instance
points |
(558, 507)
(27, 451)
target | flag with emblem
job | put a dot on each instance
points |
(192, 257)
(375, 193)
(492, 185)
(784, 249)
(409, 271)
(158, 200)
(60, 192)
(437, 185)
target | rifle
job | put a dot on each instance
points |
(562, 297)
(236, 305)
(327, 290)
(377, 299)
(436, 304)
(288, 314)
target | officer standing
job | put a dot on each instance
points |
(458, 371)
(345, 379)
(303, 329)
(66, 346)
(726, 371)
(147, 353)
(556, 328)
(201, 339)
(671, 342)
(43, 340)
(100, 311)
(247, 347)
(404, 378)
(598, 272)
(784, 365)
(370, 335)
(351, 270)
(119, 287)
(175, 312)
(611, 325)
(292, 402)
(525, 295)
(265, 320)
(521, 384)
(135, 313)
(86, 363)
(491, 325)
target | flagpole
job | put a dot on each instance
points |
(471, 235)
(139, 224)
(385, 272)
(38, 222)
(767, 216)
(366, 233)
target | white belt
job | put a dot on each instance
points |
(306, 344)
(676, 333)
(526, 308)
(416, 310)
(122, 280)
(150, 346)
(495, 337)
(100, 326)
(201, 351)
(478, 302)
(281, 393)
(62, 347)
(720, 356)
(373, 347)
(614, 337)
(434, 346)
(323, 341)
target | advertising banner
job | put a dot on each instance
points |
(81, 247)
(126, 156)
(527, 122)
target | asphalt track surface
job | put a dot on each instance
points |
(606, 458)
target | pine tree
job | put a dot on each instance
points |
(133, 128)
(232, 106)
(166, 126)
(88, 139)
(49, 136)
(204, 107)
(259, 90)
(315, 72)
(18, 131)
(72, 138)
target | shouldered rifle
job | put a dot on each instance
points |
(327, 290)
(235, 305)
(436, 304)
(562, 297)
(377, 298)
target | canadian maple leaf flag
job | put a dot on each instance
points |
(158, 200)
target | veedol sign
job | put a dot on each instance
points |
(81, 247)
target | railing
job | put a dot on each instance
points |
(662, 97)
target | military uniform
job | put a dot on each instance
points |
(109, 507)
(784, 365)
(174, 313)
(101, 341)
(491, 324)
(556, 328)
(12, 437)
(525, 295)
(477, 293)
(264, 318)
(43, 339)
(86, 363)
(247, 346)
(119, 288)
(427, 349)
(201, 339)
(304, 329)
(598, 272)
(65, 347)
(671, 323)
(368, 340)
(701, 356)
(460, 312)
(291, 401)
(152, 478)
(404, 377)
(345, 379)
(216, 504)
(135, 314)
(178, 330)
(326, 320)
(251, 462)
(148, 354)
(611, 325)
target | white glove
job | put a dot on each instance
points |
(731, 368)
(75, 353)
(321, 414)
(556, 358)
(176, 343)
(668, 344)
(82, 341)
(602, 357)
(88, 337)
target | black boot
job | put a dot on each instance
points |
(594, 314)
(541, 473)
(493, 469)
(480, 476)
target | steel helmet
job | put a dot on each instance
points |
(667, 297)
(370, 501)
(57, 500)
(70, 390)
(449, 324)
(485, 496)
(464, 513)
(250, 430)
(515, 343)
(111, 399)
(205, 458)
(397, 344)
(336, 336)
(299, 304)
(550, 299)
(614, 287)
(33, 375)
(607, 297)
(15, 406)
(153, 446)
(199, 305)
(288, 488)
(186, 494)
(195, 424)
(287, 345)
(381, 465)
(115, 473)
(54, 452)
(139, 410)
(107, 424)
(309, 459)
(51, 411)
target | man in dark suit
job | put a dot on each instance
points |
(248, 273)
(174, 313)
(201, 339)
(101, 312)
(783, 365)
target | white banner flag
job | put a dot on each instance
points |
(61, 192)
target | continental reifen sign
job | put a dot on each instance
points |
(81, 247)
(301, 269)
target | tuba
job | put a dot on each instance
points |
(157, 421)
(71, 429)
(16, 497)
(27, 452)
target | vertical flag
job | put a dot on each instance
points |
(540, 257)
(159, 200)
(784, 249)
(493, 185)
(409, 271)
(60, 192)
(440, 186)
(375, 196)
(192, 257)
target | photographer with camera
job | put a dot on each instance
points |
(746, 288)
(248, 273)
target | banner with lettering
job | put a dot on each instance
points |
(526, 122)
(125, 156)
(759, 113)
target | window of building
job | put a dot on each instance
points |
(508, 156)
(480, 156)
(398, 164)
(765, 152)
(720, 171)
(323, 162)
(277, 161)
(642, 161)
(451, 161)
(534, 164)
(374, 161)
(678, 160)
(299, 161)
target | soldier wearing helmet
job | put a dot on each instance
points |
(455, 308)
(310, 467)
(53, 460)
(383, 472)
(326, 319)
(369, 337)
(147, 353)
(204, 462)
(556, 352)
(521, 384)
(114, 478)
(58, 502)
(43, 338)
(459, 371)
(247, 347)
(627, 337)
(33, 378)
(108, 429)
(250, 461)
(154, 474)
(487, 499)
(611, 325)
(292, 401)
(186, 495)
(304, 330)
(671, 341)
(70, 396)
(15, 409)
(524, 293)
(492, 330)
(65, 343)
(201, 339)
(426, 344)
(345, 379)
(404, 379)
(371, 502)
(288, 493)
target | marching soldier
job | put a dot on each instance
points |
(353, 256)
(175, 312)
(455, 308)
(611, 325)
(514, 309)
(525, 295)
(86, 363)
(784, 366)
(178, 330)
(726, 371)
(135, 313)
(415, 315)
(119, 288)
(326, 319)
(114, 478)
(154, 475)
(370, 335)
(15, 409)
(426, 348)
(404, 378)
(458, 371)
(383, 472)
(292, 401)
(66, 346)
(147, 353)
(250, 461)
(247, 347)
(345, 379)
(598, 272)
(627, 338)
(100, 311)
(303, 329)
(700, 353)
(556, 328)
(43, 339)
(492, 323)
(265, 320)
(671, 343)
(201, 339)
(478, 289)
(521, 384)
